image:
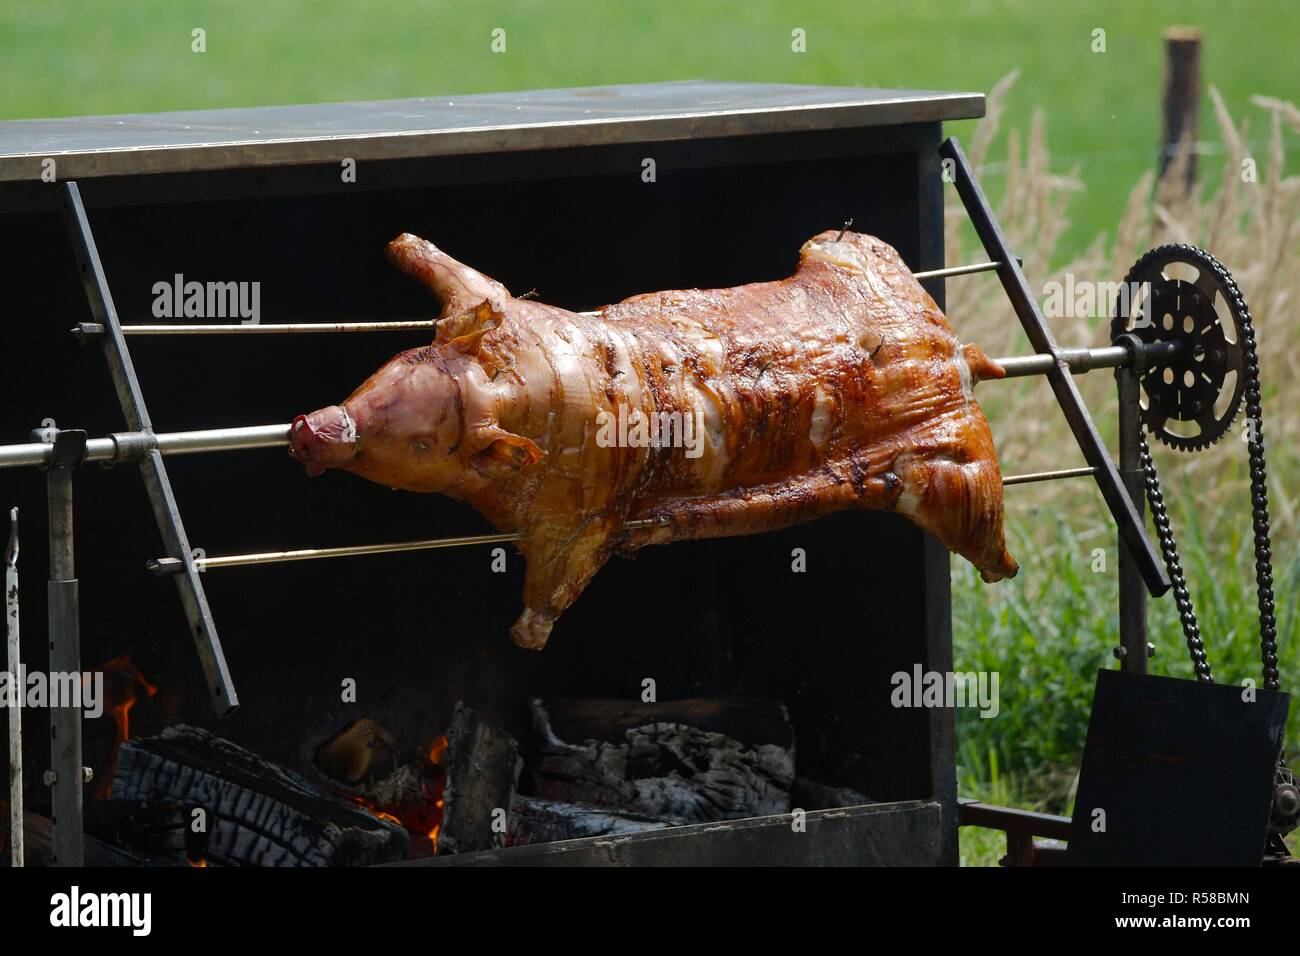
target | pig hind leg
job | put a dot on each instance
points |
(765, 508)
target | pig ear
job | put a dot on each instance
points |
(503, 453)
(463, 330)
(457, 286)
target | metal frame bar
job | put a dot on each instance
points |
(154, 472)
(1133, 649)
(1020, 826)
(1113, 489)
(67, 774)
(14, 703)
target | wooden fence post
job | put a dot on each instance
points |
(1182, 97)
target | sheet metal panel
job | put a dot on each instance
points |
(448, 125)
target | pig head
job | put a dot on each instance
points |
(453, 417)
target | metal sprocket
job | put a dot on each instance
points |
(1189, 402)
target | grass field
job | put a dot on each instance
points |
(76, 57)
(1048, 631)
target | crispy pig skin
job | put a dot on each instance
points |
(842, 386)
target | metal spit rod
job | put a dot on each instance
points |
(162, 566)
(130, 446)
(92, 329)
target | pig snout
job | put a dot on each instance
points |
(324, 439)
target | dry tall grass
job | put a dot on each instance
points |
(1250, 226)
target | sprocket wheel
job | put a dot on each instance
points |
(1179, 293)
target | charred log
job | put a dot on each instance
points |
(154, 828)
(257, 813)
(533, 820)
(482, 768)
(689, 761)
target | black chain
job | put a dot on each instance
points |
(1168, 547)
(1258, 482)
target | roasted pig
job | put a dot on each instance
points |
(700, 413)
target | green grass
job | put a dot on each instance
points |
(1049, 630)
(76, 57)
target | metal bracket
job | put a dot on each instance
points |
(152, 469)
(68, 448)
(1116, 495)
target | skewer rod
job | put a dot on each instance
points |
(130, 446)
(965, 270)
(91, 329)
(172, 565)
(1077, 360)
(1048, 476)
(162, 566)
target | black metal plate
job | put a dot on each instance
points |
(906, 833)
(1183, 772)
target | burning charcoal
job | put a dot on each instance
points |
(258, 813)
(687, 761)
(368, 765)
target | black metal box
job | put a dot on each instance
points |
(545, 190)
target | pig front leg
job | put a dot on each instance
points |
(561, 561)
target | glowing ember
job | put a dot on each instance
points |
(420, 815)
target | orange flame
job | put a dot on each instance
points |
(122, 697)
(422, 818)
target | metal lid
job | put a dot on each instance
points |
(480, 123)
